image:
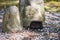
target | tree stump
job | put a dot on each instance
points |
(11, 20)
(32, 11)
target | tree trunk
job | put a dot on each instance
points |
(11, 20)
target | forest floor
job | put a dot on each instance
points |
(51, 31)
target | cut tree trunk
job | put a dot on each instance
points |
(11, 20)
(32, 11)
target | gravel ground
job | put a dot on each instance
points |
(50, 32)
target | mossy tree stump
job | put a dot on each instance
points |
(32, 11)
(11, 20)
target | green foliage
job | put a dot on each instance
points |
(52, 0)
(52, 6)
(8, 2)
